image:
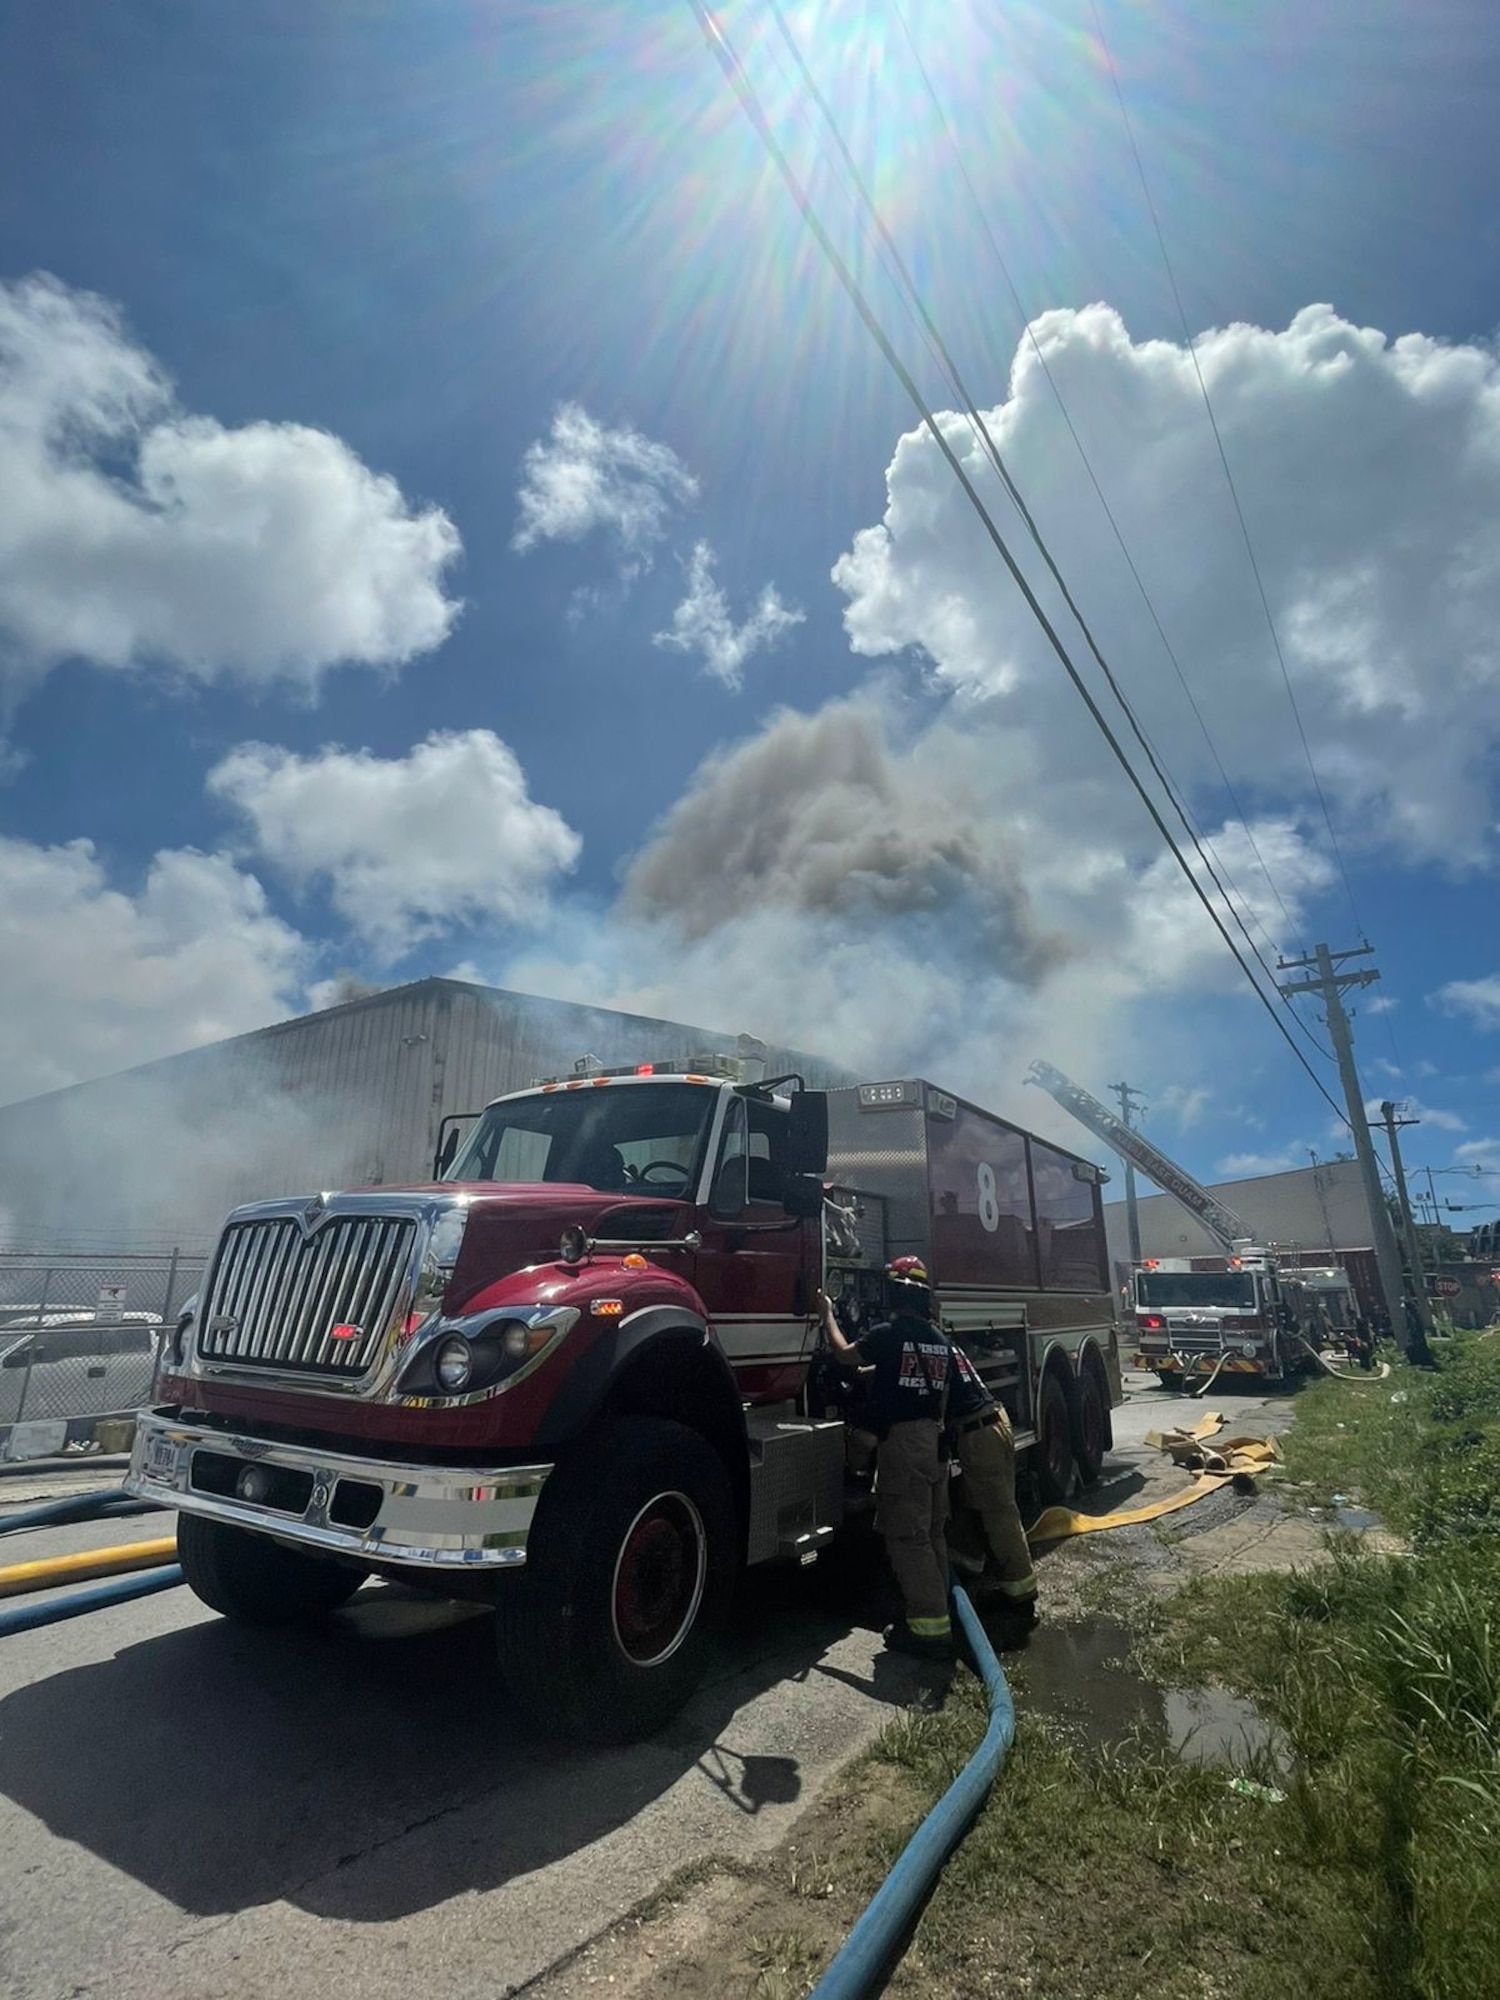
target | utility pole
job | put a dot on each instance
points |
(1432, 1197)
(1408, 1224)
(1129, 1099)
(1329, 984)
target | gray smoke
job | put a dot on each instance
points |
(817, 815)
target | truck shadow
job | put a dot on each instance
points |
(368, 1768)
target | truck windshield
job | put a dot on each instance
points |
(628, 1138)
(1199, 1290)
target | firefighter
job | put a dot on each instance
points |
(986, 1450)
(907, 1359)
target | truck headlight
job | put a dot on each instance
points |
(492, 1350)
(453, 1364)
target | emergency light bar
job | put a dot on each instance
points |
(588, 1069)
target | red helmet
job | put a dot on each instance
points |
(907, 1271)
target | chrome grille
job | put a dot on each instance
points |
(277, 1293)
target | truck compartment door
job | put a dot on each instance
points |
(796, 1488)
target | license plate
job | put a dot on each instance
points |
(161, 1460)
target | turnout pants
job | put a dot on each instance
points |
(911, 1506)
(987, 1458)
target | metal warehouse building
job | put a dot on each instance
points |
(1308, 1208)
(351, 1096)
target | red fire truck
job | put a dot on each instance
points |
(576, 1375)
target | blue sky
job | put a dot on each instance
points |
(333, 289)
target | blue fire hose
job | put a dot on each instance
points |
(871, 1945)
(119, 1590)
(111, 1503)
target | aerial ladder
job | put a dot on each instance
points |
(1221, 1222)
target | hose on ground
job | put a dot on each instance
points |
(1209, 1381)
(85, 1565)
(869, 1948)
(26, 1617)
(107, 1504)
(1373, 1375)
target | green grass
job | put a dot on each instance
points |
(1131, 1872)
(1384, 1671)
(1124, 1872)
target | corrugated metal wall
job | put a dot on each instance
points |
(1314, 1207)
(157, 1155)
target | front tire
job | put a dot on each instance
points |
(255, 1581)
(605, 1633)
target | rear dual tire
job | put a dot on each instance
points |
(1072, 1433)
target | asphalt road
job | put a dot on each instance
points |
(192, 1809)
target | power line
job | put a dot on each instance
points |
(980, 428)
(1265, 602)
(983, 435)
(744, 88)
(1029, 333)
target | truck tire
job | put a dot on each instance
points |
(255, 1581)
(1093, 1424)
(604, 1634)
(1054, 1441)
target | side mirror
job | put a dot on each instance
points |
(446, 1155)
(803, 1196)
(807, 1140)
(731, 1189)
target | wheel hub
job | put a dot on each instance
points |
(659, 1577)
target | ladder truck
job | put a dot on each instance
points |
(1241, 1318)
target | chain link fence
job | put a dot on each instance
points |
(78, 1342)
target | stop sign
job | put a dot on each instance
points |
(1446, 1288)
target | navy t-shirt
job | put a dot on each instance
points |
(911, 1358)
(968, 1394)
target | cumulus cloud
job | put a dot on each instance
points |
(134, 533)
(1369, 470)
(583, 477)
(97, 978)
(408, 846)
(702, 623)
(1477, 999)
(1479, 1152)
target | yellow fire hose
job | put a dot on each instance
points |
(1222, 1464)
(51, 1571)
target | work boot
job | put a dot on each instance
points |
(900, 1638)
(1010, 1621)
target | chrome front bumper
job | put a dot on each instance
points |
(428, 1516)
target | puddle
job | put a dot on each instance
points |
(1078, 1677)
(1213, 1726)
(1358, 1518)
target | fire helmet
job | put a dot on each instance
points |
(907, 1271)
